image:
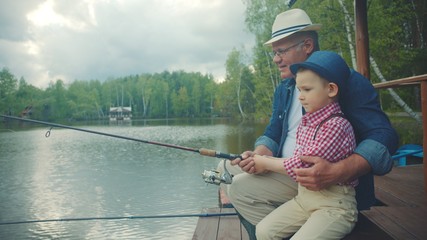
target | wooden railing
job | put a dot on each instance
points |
(422, 80)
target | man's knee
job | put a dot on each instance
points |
(235, 189)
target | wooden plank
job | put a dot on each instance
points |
(388, 198)
(402, 184)
(413, 220)
(207, 227)
(229, 226)
(220, 227)
(402, 81)
(367, 230)
(400, 222)
(383, 221)
(405, 213)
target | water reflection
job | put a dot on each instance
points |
(73, 174)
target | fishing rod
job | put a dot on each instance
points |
(119, 218)
(201, 151)
(213, 177)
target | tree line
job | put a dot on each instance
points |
(161, 95)
(397, 33)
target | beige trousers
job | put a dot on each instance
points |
(269, 201)
(327, 214)
(255, 196)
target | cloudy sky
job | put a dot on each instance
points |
(46, 40)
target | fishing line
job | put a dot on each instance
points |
(201, 151)
(118, 218)
(213, 177)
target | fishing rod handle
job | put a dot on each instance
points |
(213, 153)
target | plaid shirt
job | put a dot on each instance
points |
(332, 140)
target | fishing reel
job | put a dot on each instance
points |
(215, 177)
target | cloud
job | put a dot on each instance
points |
(47, 40)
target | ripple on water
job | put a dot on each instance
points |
(74, 175)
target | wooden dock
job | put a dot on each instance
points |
(221, 227)
(402, 213)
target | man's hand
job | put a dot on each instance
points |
(324, 173)
(319, 176)
(247, 163)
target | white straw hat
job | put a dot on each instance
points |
(290, 22)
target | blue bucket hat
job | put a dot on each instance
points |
(328, 65)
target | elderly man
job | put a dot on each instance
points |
(255, 196)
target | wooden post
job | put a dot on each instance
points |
(424, 116)
(362, 38)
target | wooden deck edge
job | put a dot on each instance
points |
(367, 230)
(207, 226)
(400, 222)
(382, 221)
(220, 227)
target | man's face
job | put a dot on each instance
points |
(288, 51)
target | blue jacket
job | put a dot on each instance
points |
(376, 139)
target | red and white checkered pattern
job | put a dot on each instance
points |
(334, 140)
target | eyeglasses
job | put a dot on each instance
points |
(282, 52)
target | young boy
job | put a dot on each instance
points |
(330, 213)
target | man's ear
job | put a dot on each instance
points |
(309, 45)
(332, 89)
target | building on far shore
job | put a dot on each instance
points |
(120, 114)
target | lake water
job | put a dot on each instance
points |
(73, 174)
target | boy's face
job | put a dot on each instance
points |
(315, 92)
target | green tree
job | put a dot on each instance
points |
(259, 18)
(145, 92)
(8, 85)
(248, 92)
(180, 102)
(83, 98)
(55, 101)
(28, 96)
(196, 97)
(393, 54)
(396, 40)
(234, 72)
(165, 91)
(159, 102)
